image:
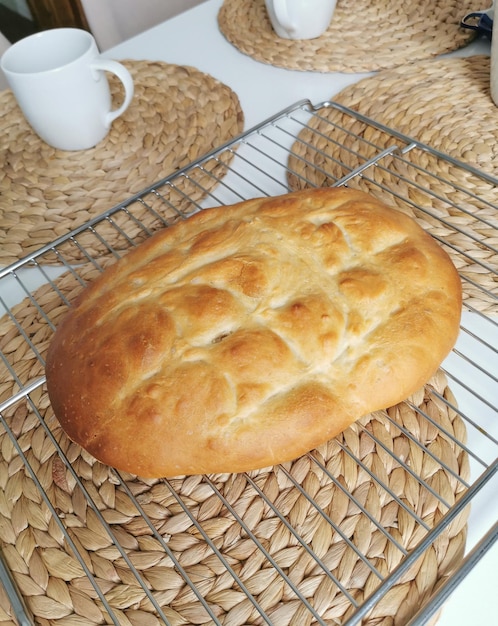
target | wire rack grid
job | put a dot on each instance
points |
(304, 145)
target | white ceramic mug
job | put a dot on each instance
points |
(300, 19)
(58, 79)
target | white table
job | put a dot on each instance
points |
(193, 38)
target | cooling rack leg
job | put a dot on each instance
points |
(443, 593)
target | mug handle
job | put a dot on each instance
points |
(125, 77)
(282, 15)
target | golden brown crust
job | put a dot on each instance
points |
(248, 335)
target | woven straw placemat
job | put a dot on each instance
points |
(445, 104)
(177, 114)
(56, 588)
(363, 36)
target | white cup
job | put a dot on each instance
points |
(300, 19)
(58, 79)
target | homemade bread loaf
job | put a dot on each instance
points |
(247, 335)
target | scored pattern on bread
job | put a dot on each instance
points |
(247, 335)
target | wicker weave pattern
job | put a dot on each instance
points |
(363, 36)
(444, 103)
(207, 523)
(455, 116)
(177, 115)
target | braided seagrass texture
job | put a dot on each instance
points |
(445, 104)
(363, 35)
(232, 510)
(177, 115)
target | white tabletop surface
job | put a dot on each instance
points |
(193, 38)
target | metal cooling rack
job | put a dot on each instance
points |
(256, 164)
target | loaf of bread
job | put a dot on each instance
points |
(247, 335)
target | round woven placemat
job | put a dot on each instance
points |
(54, 583)
(177, 114)
(445, 104)
(363, 35)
